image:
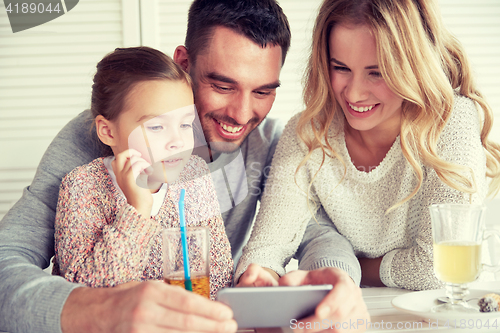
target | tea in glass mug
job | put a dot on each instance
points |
(457, 261)
(457, 234)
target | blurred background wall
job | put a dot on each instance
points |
(46, 72)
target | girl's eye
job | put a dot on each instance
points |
(376, 74)
(155, 128)
(186, 126)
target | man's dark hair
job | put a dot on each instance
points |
(261, 21)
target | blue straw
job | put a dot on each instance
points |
(187, 273)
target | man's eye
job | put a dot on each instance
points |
(263, 93)
(221, 88)
(155, 128)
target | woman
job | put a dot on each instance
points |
(393, 123)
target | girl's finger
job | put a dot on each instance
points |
(121, 163)
(138, 159)
(140, 166)
(120, 159)
(133, 152)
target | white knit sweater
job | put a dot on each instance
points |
(357, 204)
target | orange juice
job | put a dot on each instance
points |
(201, 284)
(457, 261)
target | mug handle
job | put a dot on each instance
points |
(487, 234)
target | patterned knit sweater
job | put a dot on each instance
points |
(102, 241)
(357, 204)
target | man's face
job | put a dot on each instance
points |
(235, 86)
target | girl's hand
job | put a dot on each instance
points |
(126, 166)
(257, 276)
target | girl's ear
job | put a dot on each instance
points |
(181, 57)
(105, 130)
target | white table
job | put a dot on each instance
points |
(385, 318)
(384, 315)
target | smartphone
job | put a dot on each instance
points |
(255, 307)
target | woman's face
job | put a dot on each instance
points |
(365, 98)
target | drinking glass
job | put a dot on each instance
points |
(198, 243)
(458, 233)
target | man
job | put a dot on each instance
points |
(234, 52)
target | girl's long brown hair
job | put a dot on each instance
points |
(119, 71)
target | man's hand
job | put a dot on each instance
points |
(257, 276)
(344, 303)
(127, 166)
(143, 307)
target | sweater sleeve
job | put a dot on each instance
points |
(323, 246)
(32, 300)
(459, 144)
(285, 209)
(92, 250)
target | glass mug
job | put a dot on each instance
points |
(198, 243)
(458, 233)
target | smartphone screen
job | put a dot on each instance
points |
(272, 306)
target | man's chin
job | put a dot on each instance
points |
(224, 147)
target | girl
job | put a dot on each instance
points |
(111, 211)
(393, 123)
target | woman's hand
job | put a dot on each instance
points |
(257, 276)
(126, 166)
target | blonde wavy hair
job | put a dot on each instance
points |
(421, 62)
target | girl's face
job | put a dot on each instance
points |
(359, 88)
(158, 114)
